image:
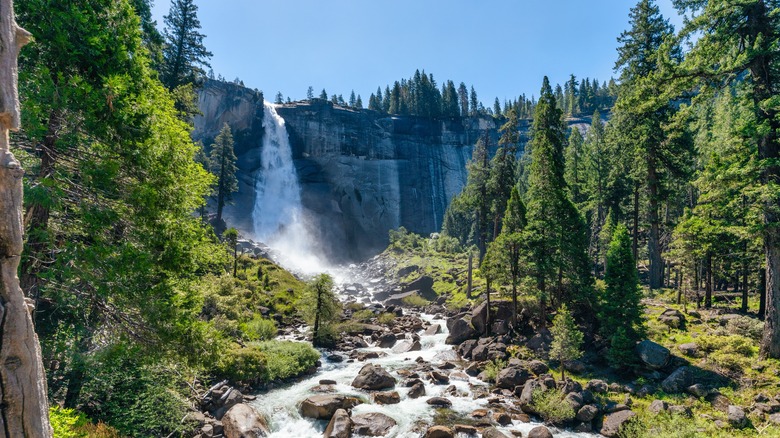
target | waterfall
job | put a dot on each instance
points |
(278, 215)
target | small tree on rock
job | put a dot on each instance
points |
(567, 339)
(321, 307)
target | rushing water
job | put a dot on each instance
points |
(281, 405)
(278, 216)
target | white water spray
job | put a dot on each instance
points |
(278, 215)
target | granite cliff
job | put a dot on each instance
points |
(361, 173)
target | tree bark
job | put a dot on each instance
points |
(24, 410)
(708, 283)
(762, 294)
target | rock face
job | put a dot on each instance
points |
(241, 421)
(373, 377)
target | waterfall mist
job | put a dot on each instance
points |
(279, 218)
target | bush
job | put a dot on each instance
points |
(244, 365)
(731, 353)
(446, 244)
(258, 329)
(68, 423)
(493, 368)
(744, 325)
(286, 359)
(415, 301)
(520, 352)
(552, 407)
(363, 315)
(386, 318)
(662, 425)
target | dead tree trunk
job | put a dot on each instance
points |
(24, 410)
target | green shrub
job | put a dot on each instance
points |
(258, 329)
(744, 325)
(551, 406)
(415, 301)
(446, 244)
(286, 359)
(662, 425)
(386, 318)
(244, 364)
(520, 352)
(363, 315)
(731, 353)
(493, 368)
(68, 423)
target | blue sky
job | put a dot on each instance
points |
(502, 47)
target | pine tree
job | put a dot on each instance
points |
(463, 98)
(474, 103)
(359, 102)
(555, 233)
(742, 39)
(223, 166)
(567, 339)
(510, 243)
(184, 55)
(320, 306)
(230, 236)
(574, 172)
(352, 99)
(279, 98)
(310, 93)
(620, 309)
(324, 94)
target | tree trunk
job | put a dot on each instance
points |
(24, 410)
(471, 270)
(762, 294)
(635, 243)
(487, 309)
(744, 288)
(653, 238)
(708, 283)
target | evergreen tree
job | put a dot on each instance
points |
(184, 55)
(463, 98)
(324, 94)
(310, 93)
(741, 42)
(359, 102)
(223, 166)
(279, 98)
(555, 233)
(152, 38)
(567, 339)
(320, 306)
(230, 236)
(352, 99)
(510, 243)
(620, 309)
(574, 172)
(599, 161)
(474, 103)
(503, 171)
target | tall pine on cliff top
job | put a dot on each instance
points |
(555, 233)
(620, 310)
(184, 55)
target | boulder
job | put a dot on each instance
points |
(387, 340)
(460, 330)
(775, 419)
(678, 381)
(681, 410)
(439, 432)
(492, 432)
(587, 413)
(417, 390)
(538, 367)
(373, 377)
(407, 346)
(737, 417)
(340, 425)
(510, 377)
(439, 378)
(465, 429)
(657, 406)
(718, 401)
(574, 366)
(241, 421)
(689, 349)
(652, 355)
(597, 386)
(466, 348)
(322, 407)
(439, 402)
(613, 423)
(526, 396)
(479, 316)
(372, 424)
(540, 432)
(698, 390)
(502, 418)
(434, 329)
(387, 398)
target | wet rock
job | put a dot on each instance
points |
(459, 375)
(322, 407)
(540, 432)
(324, 388)
(492, 432)
(372, 424)
(439, 378)
(613, 423)
(434, 329)
(412, 381)
(657, 406)
(340, 425)
(373, 377)
(241, 421)
(407, 346)
(652, 355)
(587, 413)
(327, 382)
(689, 349)
(678, 381)
(510, 377)
(465, 429)
(584, 427)
(439, 432)
(439, 402)
(417, 390)
(387, 340)
(387, 398)
(460, 330)
(737, 417)
(597, 386)
(227, 400)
